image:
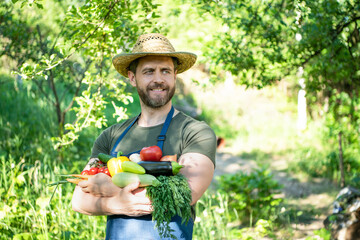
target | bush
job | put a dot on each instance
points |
(252, 195)
(325, 163)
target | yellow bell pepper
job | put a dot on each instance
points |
(114, 164)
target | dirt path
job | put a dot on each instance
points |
(310, 201)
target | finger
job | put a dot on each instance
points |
(85, 190)
(145, 209)
(132, 186)
(83, 184)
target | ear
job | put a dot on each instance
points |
(131, 76)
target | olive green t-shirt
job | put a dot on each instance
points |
(184, 135)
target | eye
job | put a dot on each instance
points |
(148, 72)
(165, 71)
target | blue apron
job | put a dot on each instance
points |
(129, 228)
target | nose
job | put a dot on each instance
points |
(158, 77)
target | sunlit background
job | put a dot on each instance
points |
(278, 81)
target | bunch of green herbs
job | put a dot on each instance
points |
(172, 197)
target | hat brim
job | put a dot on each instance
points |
(122, 61)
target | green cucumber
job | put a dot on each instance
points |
(104, 157)
(132, 167)
(123, 179)
(165, 168)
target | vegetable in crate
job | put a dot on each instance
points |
(166, 168)
(169, 158)
(132, 167)
(152, 153)
(122, 179)
(104, 157)
(114, 164)
(135, 157)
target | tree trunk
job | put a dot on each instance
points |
(341, 162)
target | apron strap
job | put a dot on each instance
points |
(113, 152)
(160, 139)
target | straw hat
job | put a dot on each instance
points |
(153, 44)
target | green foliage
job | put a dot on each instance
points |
(220, 124)
(252, 195)
(68, 55)
(25, 125)
(325, 163)
(321, 233)
(262, 42)
(315, 41)
(32, 209)
(342, 118)
(26, 128)
(217, 220)
(254, 40)
(317, 155)
(213, 216)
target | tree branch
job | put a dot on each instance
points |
(339, 29)
(39, 85)
(83, 42)
(57, 38)
(40, 40)
(88, 63)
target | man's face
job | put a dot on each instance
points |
(154, 80)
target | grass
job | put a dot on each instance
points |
(31, 209)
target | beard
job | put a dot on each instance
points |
(158, 101)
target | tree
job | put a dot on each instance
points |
(67, 56)
(263, 42)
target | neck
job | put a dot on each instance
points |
(153, 116)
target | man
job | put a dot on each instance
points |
(151, 68)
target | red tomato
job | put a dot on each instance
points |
(93, 171)
(85, 172)
(101, 170)
(106, 171)
(152, 153)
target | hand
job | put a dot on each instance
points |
(132, 201)
(99, 185)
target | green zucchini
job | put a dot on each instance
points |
(104, 157)
(128, 166)
(122, 179)
(165, 168)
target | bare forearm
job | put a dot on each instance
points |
(199, 171)
(110, 200)
(89, 204)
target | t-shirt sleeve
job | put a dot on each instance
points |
(102, 144)
(200, 138)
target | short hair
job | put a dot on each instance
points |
(133, 65)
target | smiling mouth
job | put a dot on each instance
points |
(157, 89)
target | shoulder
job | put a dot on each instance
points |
(194, 129)
(192, 125)
(197, 137)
